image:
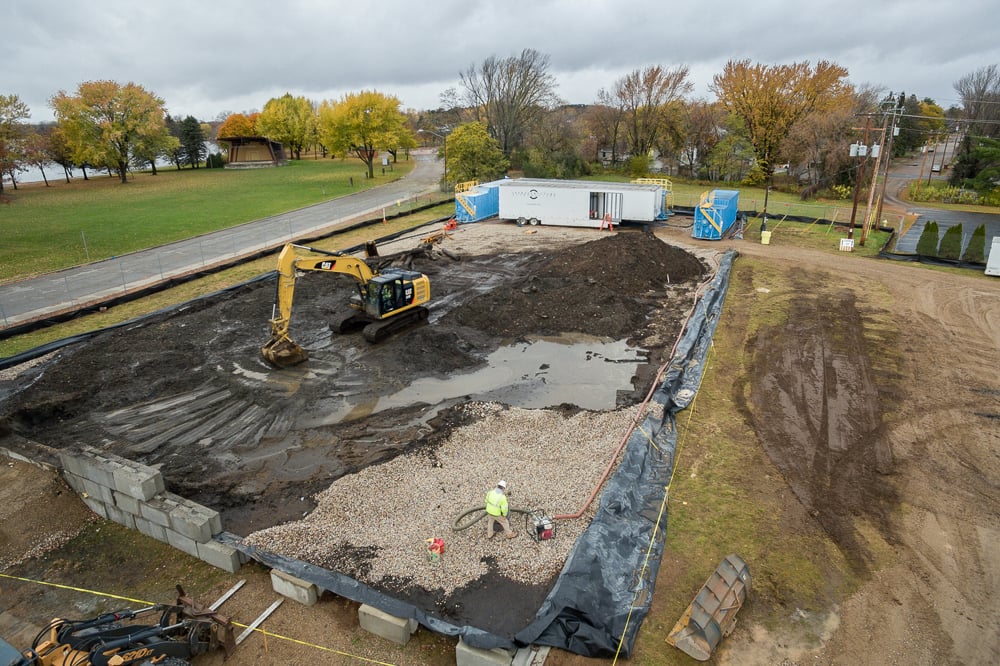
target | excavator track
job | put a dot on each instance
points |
(378, 331)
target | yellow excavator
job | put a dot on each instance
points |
(389, 301)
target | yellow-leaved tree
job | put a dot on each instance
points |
(107, 124)
(289, 120)
(362, 124)
(771, 99)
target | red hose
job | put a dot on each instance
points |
(649, 395)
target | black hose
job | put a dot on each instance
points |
(458, 526)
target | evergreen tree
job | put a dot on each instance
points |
(928, 243)
(951, 244)
(976, 252)
(193, 149)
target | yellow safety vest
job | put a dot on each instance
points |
(496, 503)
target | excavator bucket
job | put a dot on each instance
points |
(712, 614)
(282, 352)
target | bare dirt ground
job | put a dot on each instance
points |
(892, 449)
(879, 402)
(190, 394)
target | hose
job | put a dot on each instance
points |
(642, 405)
(458, 525)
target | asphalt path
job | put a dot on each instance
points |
(84, 286)
(906, 170)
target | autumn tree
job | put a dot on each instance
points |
(815, 148)
(106, 122)
(362, 124)
(36, 154)
(604, 122)
(648, 99)
(701, 127)
(12, 136)
(509, 95)
(58, 148)
(980, 94)
(289, 120)
(474, 155)
(238, 124)
(771, 99)
(552, 145)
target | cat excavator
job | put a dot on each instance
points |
(387, 302)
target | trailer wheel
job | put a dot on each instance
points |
(535, 222)
(521, 221)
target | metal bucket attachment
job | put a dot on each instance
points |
(712, 614)
(282, 352)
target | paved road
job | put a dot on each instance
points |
(71, 289)
(906, 170)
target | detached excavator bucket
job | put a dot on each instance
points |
(282, 352)
(712, 614)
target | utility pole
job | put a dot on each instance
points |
(861, 173)
(866, 224)
(892, 133)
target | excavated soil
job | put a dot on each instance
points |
(188, 391)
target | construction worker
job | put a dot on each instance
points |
(497, 510)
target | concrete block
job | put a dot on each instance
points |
(138, 481)
(380, 623)
(119, 516)
(195, 521)
(97, 491)
(220, 555)
(74, 481)
(97, 468)
(470, 656)
(71, 462)
(181, 542)
(158, 509)
(98, 507)
(126, 503)
(294, 588)
(151, 529)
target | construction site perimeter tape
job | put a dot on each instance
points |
(263, 632)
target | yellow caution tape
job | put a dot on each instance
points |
(237, 624)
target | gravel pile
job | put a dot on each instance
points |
(373, 525)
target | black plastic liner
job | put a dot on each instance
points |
(604, 591)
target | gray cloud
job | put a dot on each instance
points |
(205, 58)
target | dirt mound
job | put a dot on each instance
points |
(590, 288)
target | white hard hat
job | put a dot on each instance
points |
(501, 484)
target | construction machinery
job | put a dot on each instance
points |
(387, 301)
(183, 630)
(711, 616)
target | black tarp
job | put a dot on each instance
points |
(604, 591)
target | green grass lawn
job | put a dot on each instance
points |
(67, 224)
(208, 284)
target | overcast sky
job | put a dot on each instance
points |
(206, 57)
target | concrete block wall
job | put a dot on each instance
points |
(135, 496)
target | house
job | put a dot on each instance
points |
(249, 152)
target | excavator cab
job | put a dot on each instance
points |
(390, 291)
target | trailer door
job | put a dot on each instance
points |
(606, 203)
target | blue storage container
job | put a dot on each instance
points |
(715, 215)
(479, 203)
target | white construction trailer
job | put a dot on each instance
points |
(582, 203)
(993, 259)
